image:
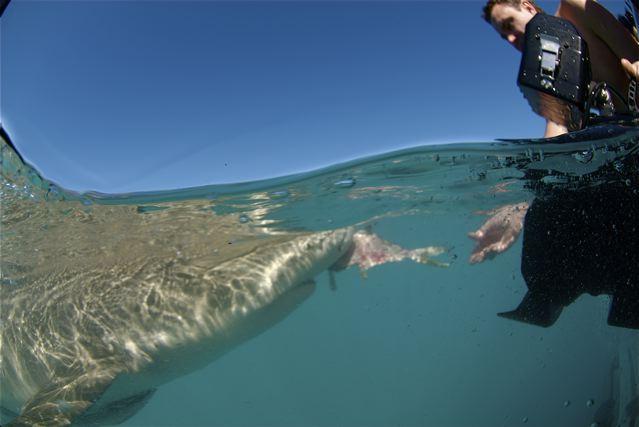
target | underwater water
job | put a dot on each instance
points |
(403, 344)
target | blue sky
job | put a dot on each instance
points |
(122, 96)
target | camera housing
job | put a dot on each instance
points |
(554, 73)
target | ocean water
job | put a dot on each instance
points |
(404, 344)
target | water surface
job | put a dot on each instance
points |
(405, 345)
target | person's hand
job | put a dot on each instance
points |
(631, 68)
(499, 232)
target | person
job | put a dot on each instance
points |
(577, 240)
(614, 52)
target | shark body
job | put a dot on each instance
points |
(92, 346)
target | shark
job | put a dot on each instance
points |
(90, 346)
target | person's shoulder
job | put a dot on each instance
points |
(581, 4)
(571, 7)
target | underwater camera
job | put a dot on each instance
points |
(554, 74)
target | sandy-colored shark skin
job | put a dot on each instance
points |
(102, 303)
(103, 335)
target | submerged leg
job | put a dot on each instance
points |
(624, 311)
(536, 309)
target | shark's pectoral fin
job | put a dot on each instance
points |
(624, 312)
(62, 402)
(332, 283)
(117, 412)
(536, 309)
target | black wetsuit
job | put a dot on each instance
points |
(583, 239)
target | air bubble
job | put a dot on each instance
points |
(524, 420)
(618, 166)
(566, 403)
(590, 402)
(280, 194)
(345, 183)
(244, 218)
(583, 156)
(530, 154)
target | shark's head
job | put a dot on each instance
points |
(275, 269)
(305, 257)
(327, 247)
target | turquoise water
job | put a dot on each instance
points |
(405, 344)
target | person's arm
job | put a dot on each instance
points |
(630, 68)
(553, 129)
(499, 232)
(604, 25)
